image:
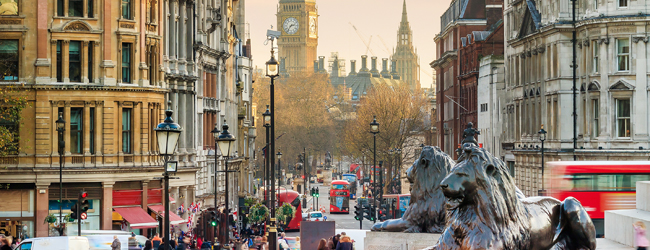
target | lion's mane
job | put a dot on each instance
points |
(427, 205)
(496, 206)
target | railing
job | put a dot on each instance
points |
(128, 159)
(452, 14)
(77, 159)
(9, 160)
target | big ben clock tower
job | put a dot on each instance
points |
(298, 22)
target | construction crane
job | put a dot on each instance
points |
(363, 40)
(384, 43)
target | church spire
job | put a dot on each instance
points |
(404, 16)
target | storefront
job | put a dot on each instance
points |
(17, 210)
(70, 194)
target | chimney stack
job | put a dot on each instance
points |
(384, 68)
(353, 66)
(394, 70)
(315, 66)
(321, 62)
(374, 71)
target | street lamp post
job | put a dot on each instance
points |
(168, 132)
(272, 72)
(215, 131)
(60, 128)
(374, 129)
(224, 141)
(304, 177)
(267, 125)
(399, 170)
(279, 154)
(542, 137)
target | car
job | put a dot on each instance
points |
(316, 216)
(304, 216)
(55, 243)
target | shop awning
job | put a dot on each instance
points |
(137, 217)
(173, 218)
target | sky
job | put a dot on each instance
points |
(377, 18)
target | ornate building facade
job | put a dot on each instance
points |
(110, 70)
(612, 83)
(297, 46)
(461, 19)
(408, 61)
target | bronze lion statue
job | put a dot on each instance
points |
(485, 211)
(426, 211)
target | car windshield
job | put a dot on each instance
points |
(350, 178)
(316, 215)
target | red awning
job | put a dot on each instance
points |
(137, 217)
(173, 218)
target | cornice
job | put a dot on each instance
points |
(94, 88)
(448, 56)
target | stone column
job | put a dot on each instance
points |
(186, 204)
(65, 47)
(182, 41)
(182, 110)
(86, 128)
(640, 111)
(164, 24)
(84, 58)
(172, 39)
(136, 130)
(191, 115)
(42, 209)
(190, 48)
(41, 38)
(106, 213)
(108, 78)
(66, 134)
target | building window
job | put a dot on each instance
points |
(595, 126)
(126, 62)
(596, 53)
(91, 10)
(126, 130)
(484, 107)
(59, 62)
(595, 4)
(74, 61)
(9, 60)
(76, 130)
(91, 133)
(126, 9)
(91, 47)
(9, 8)
(622, 3)
(623, 54)
(75, 8)
(151, 11)
(623, 118)
(60, 7)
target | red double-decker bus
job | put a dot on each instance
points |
(293, 198)
(340, 197)
(598, 185)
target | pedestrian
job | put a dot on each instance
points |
(199, 242)
(156, 241)
(345, 243)
(148, 245)
(206, 245)
(184, 244)
(116, 245)
(162, 245)
(640, 240)
(297, 245)
(322, 245)
(5, 244)
(265, 243)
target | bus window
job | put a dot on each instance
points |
(581, 183)
(340, 186)
(296, 202)
(606, 182)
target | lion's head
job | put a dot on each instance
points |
(427, 171)
(480, 184)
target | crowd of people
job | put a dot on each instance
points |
(336, 242)
(8, 242)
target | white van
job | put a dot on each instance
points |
(55, 243)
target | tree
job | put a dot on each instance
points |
(400, 113)
(12, 102)
(304, 119)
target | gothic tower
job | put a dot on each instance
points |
(298, 22)
(408, 62)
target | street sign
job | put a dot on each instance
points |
(84, 216)
(324, 217)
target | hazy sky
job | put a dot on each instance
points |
(377, 18)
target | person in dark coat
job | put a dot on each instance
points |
(162, 245)
(345, 243)
(116, 245)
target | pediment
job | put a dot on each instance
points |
(594, 86)
(77, 25)
(621, 85)
(531, 22)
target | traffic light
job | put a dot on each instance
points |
(316, 193)
(73, 211)
(83, 205)
(373, 212)
(358, 212)
(213, 218)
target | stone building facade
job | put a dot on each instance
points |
(612, 83)
(110, 70)
(460, 20)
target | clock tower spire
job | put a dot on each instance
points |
(298, 23)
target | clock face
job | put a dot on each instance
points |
(290, 25)
(312, 26)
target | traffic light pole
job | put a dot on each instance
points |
(79, 215)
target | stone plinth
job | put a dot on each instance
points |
(618, 223)
(642, 191)
(399, 241)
